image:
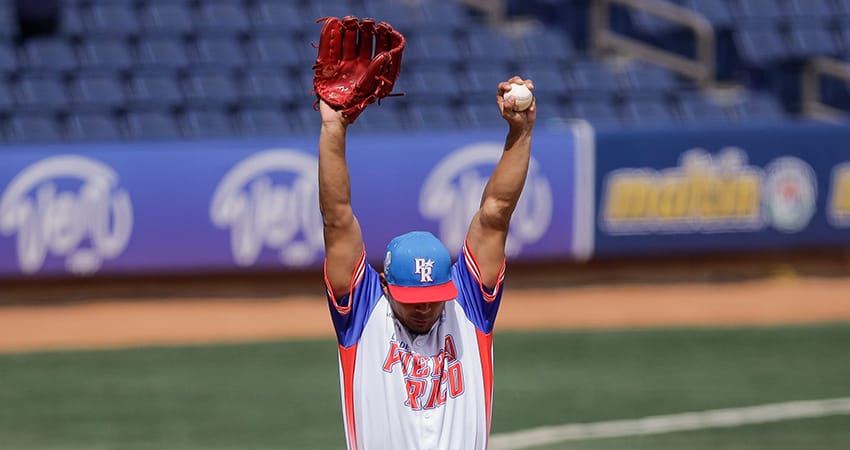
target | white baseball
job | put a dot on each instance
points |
(522, 94)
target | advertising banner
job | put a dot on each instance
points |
(727, 189)
(243, 205)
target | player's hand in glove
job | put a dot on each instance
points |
(358, 63)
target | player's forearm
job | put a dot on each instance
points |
(334, 180)
(503, 190)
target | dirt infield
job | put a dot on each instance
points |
(144, 312)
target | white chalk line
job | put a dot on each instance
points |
(717, 418)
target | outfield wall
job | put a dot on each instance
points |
(251, 205)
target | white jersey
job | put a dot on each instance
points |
(412, 392)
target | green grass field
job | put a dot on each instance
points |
(286, 394)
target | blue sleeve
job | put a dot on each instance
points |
(478, 302)
(351, 312)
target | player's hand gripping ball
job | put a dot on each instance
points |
(522, 94)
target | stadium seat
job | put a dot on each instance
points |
(478, 83)
(154, 90)
(591, 78)
(217, 52)
(97, 91)
(222, 17)
(207, 88)
(49, 54)
(548, 81)
(760, 107)
(820, 9)
(807, 42)
(546, 44)
(88, 127)
(717, 12)
(757, 12)
(482, 116)
(100, 54)
(385, 118)
(304, 120)
(652, 25)
(334, 8)
(695, 108)
(761, 47)
(275, 50)
(70, 22)
(151, 125)
(161, 53)
(276, 16)
(419, 85)
(33, 128)
(7, 102)
(485, 44)
(205, 123)
(8, 60)
(649, 80)
(110, 20)
(433, 49)
(156, 19)
(263, 121)
(647, 112)
(8, 25)
(446, 13)
(598, 112)
(432, 117)
(42, 93)
(267, 86)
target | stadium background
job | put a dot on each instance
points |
(694, 259)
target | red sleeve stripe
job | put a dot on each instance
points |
(356, 278)
(472, 265)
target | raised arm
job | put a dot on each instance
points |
(488, 230)
(343, 237)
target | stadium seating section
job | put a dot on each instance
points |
(187, 69)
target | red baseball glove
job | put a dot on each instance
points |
(358, 63)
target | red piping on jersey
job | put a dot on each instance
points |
(472, 265)
(347, 359)
(485, 352)
(356, 278)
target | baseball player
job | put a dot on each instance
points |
(415, 341)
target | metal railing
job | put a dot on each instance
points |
(603, 39)
(810, 86)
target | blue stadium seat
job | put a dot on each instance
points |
(8, 59)
(110, 20)
(89, 127)
(41, 92)
(334, 8)
(760, 107)
(806, 42)
(161, 53)
(485, 44)
(717, 12)
(263, 121)
(479, 83)
(151, 125)
(547, 44)
(385, 118)
(432, 117)
(49, 54)
(756, 12)
(760, 47)
(8, 24)
(820, 9)
(32, 129)
(206, 123)
(7, 101)
(403, 16)
(100, 54)
(208, 88)
(844, 40)
(696, 108)
(419, 85)
(276, 16)
(222, 18)
(154, 91)
(304, 120)
(548, 81)
(97, 91)
(267, 86)
(648, 24)
(222, 52)
(70, 22)
(447, 13)
(592, 78)
(275, 50)
(158, 19)
(647, 112)
(433, 49)
(482, 116)
(599, 113)
(651, 80)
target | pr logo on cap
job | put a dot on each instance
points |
(423, 269)
(418, 269)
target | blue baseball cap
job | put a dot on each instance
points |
(418, 269)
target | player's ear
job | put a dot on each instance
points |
(383, 282)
